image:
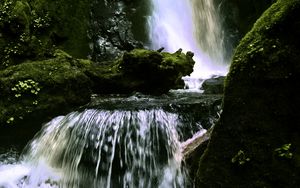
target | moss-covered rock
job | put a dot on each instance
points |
(71, 81)
(157, 72)
(213, 85)
(238, 18)
(43, 89)
(145, 71)
(35, 91)
(241, 15)
(256, 142)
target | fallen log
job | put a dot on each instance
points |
(190, 145)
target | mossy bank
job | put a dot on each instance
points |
(34, 29)
(34, 92)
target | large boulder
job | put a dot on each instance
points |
(256, 142)
(214, 85)
(145, 71)
(237, 18)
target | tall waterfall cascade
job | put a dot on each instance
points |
(192, 25)
(101, 148)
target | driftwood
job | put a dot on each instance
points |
(193, 143)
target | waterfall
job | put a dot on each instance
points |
(102, 148)
(192, 25)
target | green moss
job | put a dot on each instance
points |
(34, 29)
(22, 12)
(71, 22)
(259, 47)
(40, 22)
(137, 53)
(34, 92)
(5, 10)
(23, 32)
(158, 71)
(42, 87)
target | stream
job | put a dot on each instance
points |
(115, 141)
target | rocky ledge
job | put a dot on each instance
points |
(33, 92)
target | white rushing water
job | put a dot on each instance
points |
(97, 148)
(192, 25)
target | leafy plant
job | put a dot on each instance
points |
(284, 151)
(10, 120)
(240, 158)
(26, 87)
(40, 22)
(21, 32)
(5, 10)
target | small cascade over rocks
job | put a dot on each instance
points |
(192, 25)
(102, 148)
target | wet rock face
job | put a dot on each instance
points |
(33, 29)
(111, 29)
(256, 141)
